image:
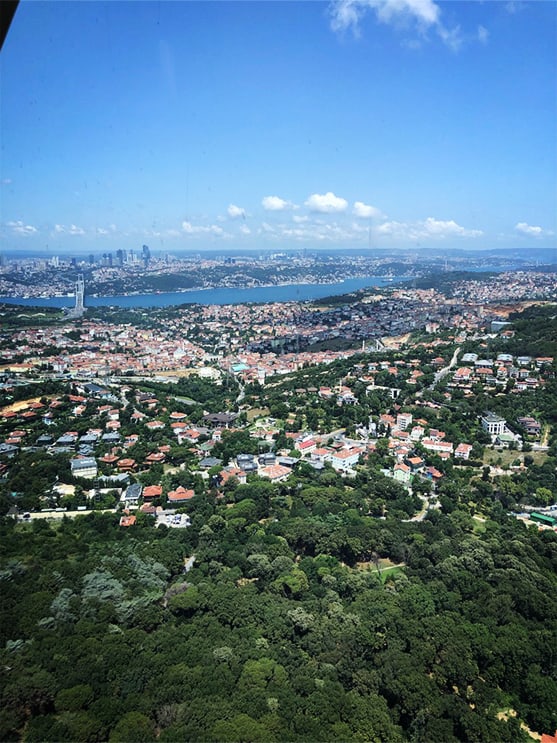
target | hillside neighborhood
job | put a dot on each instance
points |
(123, 439)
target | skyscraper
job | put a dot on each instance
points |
(79, 294)
(146, 254)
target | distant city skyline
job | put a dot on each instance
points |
(278, 126)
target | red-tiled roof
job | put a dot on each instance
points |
(152, 491)
(180, 494)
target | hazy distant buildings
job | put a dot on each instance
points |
(146, 255)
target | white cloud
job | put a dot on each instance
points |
(245, 230)
(514, 6)
(483, 34)
(412, 44)
(20, 228)
(266, 227)
(429, 228)
(159, 233)
(438, 227)
(424, 14)
(303, 228)
(276, 204)
(102, 231)
(450, 37)
(346, 14)
(326, 203)
(236, 211)
(315, 231)
(423, 11)
(531, 230)
(366, 211)
(6, 181)
(296, 233)
(73, 229)
(213, 229)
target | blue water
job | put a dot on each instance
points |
(289, 292)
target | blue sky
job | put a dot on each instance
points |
(390, 123)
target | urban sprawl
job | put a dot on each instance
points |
(143, 414)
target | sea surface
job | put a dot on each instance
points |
(257, 294)
(219, 295)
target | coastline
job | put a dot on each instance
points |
(288, 291)
(188, 290)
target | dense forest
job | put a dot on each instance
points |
(304, 618)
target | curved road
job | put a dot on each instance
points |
(446, 369)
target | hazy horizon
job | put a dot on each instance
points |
(539, 253)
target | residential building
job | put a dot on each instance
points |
(402, 473)
(403, 420)
(493, 424)
(85, 467)
(132, 494)
(151, 492)
(531, 425)
(445, 447)
(463, 451)
(345, 459)
(275, 472)
(180, 495)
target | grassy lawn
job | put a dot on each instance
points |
(391, 572)
(387, 568)
(506, 457)
(255, 413)
(479, 524)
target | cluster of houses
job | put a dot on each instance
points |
(105, 349)
(523, 371)
(147, 500)
(402, 430)
(147, 418)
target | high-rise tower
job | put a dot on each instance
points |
(79, 294)
(146, 254)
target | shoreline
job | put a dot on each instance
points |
(64, 301)
(216, 287)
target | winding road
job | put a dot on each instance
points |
(446, 369)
